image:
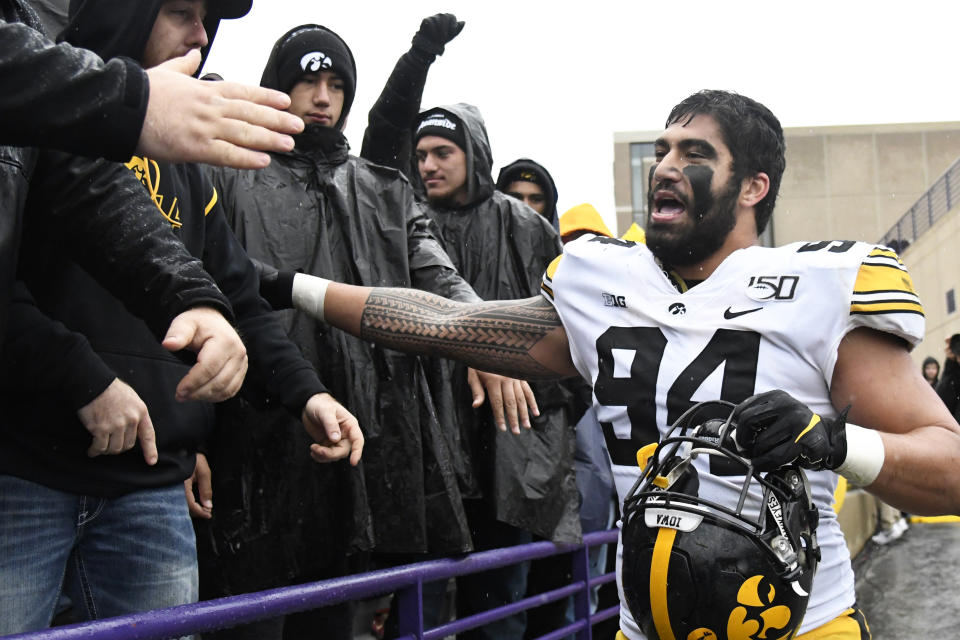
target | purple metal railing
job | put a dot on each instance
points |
(407, 581)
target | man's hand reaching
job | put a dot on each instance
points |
(222, 123)
(221, 356)
(116, 419)
(507, 396)
(199, 489)
(335, 430)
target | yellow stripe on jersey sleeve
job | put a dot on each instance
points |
(552, 267)
(889, 306)
(884, 286)
(548, 277)
(885, 253)
(874, 278)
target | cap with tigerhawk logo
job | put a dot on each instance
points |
(311, 48)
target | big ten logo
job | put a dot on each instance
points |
(611, 300)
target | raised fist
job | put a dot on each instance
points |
(436, 31)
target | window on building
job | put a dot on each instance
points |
(641, 159)
(951, 302)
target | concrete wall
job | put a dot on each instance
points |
(934, 263)
(853, 183)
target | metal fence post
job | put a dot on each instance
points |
(410, 610)
(581, 599)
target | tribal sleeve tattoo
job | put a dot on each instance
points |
(494, 336)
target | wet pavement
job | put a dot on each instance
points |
(910, 588)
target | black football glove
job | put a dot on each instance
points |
(775, 429)
(436, 31)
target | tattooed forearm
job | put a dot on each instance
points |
(491, 336)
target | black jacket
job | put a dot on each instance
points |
(113, 343)
(319, 210)
(949, 386)
(502, 248)
(52, 452)
(508, 174)
(388, 138)
(63, 97)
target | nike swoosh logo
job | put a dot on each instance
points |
(730, 315)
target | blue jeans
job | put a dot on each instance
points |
(111, 556)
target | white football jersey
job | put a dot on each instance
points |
(767, 318)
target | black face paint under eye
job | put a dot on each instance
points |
(700, 178)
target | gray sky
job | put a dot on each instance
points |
(554, 82)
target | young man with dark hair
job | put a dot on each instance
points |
(792, 335)
(530, 183)
(132, 546)
(320, 210)
(525, 485)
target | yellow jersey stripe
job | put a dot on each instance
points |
(885, 253)
(213, 201)
(547, 290)
(874, 277)
(659, 564)
(552, 267)
(887, 306)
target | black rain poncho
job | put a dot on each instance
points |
(319, 210)
(502, 248)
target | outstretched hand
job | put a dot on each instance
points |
(436, 31)
(775, 429)
(511, 400)
(199, 489)
(116, 419)
(222, 123)
(335, 430)
(221, 356)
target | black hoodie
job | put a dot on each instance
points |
(509, 174)
(53, 451)
(114, 28)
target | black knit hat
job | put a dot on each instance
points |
(440, 122)
(311, 48)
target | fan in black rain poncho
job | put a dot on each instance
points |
(502, 247)
(522, 484)
(322, 211)
(526, 170)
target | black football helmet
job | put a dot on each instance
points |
(695, 569)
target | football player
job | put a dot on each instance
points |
(810, 341)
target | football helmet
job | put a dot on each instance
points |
(738, 567)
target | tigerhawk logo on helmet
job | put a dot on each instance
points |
(706, 568)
